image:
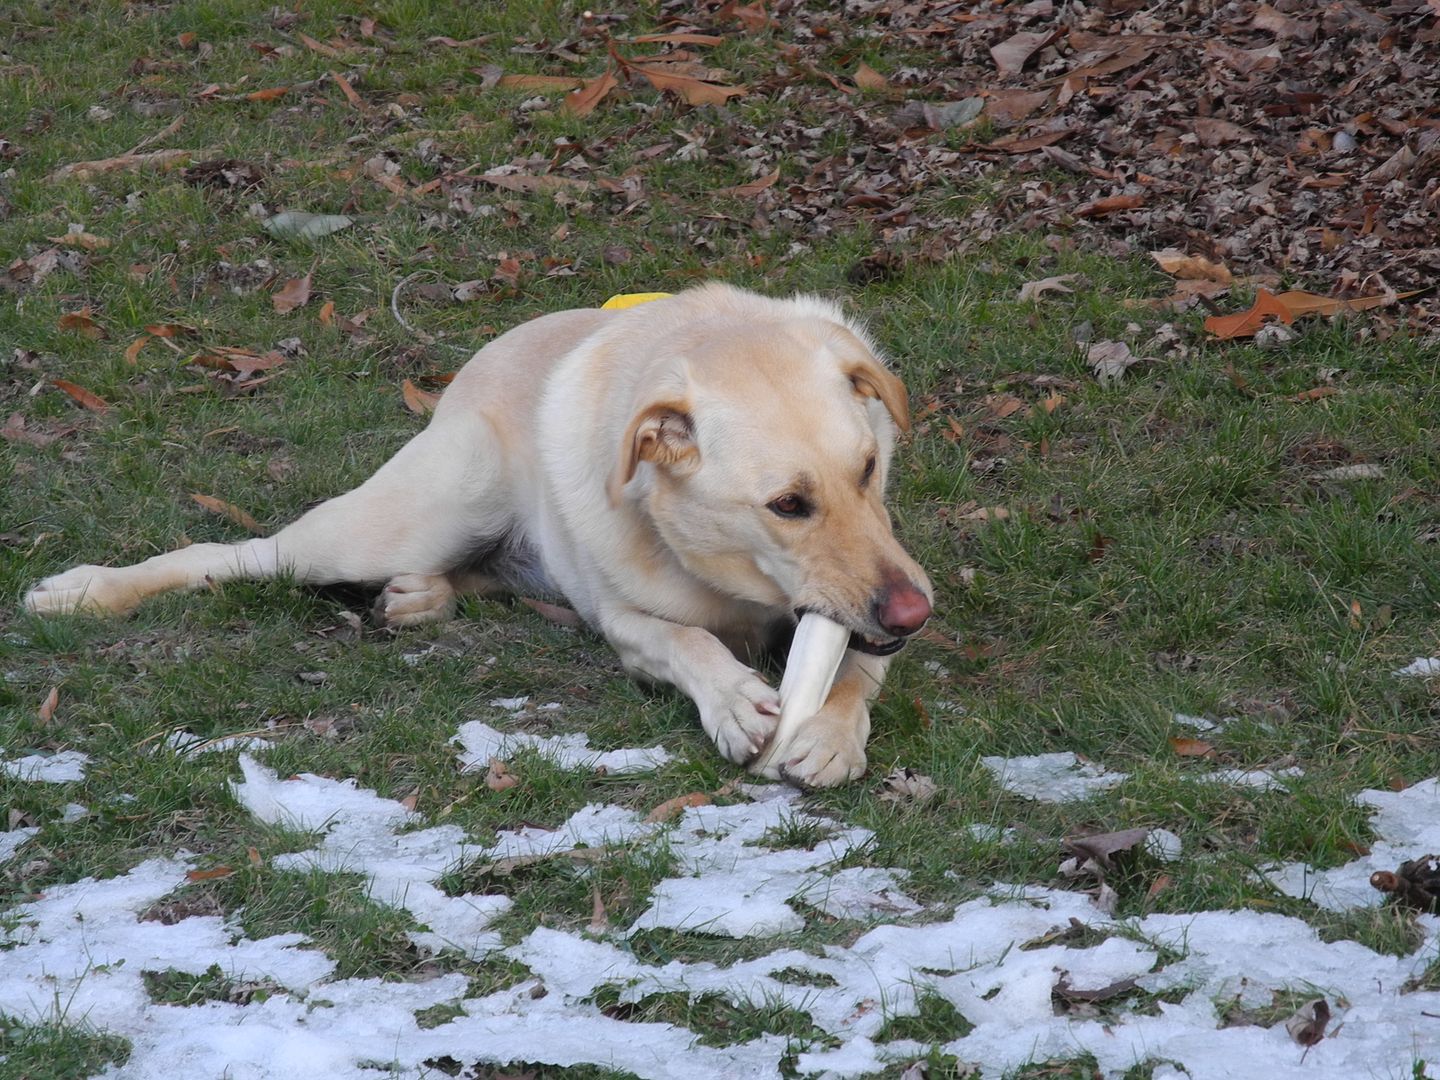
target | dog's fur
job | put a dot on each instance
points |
(639, 463)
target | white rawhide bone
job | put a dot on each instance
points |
(810, 670)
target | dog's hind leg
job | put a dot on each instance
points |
(426, 509)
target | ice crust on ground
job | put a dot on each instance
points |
(1059, 777)
(10, 842)
(480, 742)
(1407, 826)
(742, 871)
(187, 742)
(65, 767)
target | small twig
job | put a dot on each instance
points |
(415, 331)
(150, 140)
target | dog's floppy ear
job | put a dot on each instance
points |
(871, 380)
(662, 433)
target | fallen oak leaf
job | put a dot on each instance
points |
(213, 874)
(1111, 205)
(349, 91)
(46, 712)
(498, 776)
(1110, 360)
(318, 46)
(1315, 393)
(327, 313)
(754, 187)
(85, 398)
(1303, 303)
(527, 183)
(1191, 267)
(547, 83)
(905, 785)
(81, 322)
(1184, 747)
(1307, 1026)
(673, 808)
(691, 90)
(867, 78)
(582, 102)
(230, 511)
(270, 93)
(83, 170)
(80, 239)
(678, 39)
(1033, 290)
(295, 293)
(420, 402)
(1246, 323)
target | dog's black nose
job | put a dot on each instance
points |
(901, 609)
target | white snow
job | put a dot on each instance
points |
(481, 742)
(187, 742)
(82, 947)
(1407, 826)
(1260, 779)
(1422, 667)
(1060, 777)
(65, 767)
(10, 842)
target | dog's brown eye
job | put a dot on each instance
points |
(869, 471)
(790, 506)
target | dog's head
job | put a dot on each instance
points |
(763, 452)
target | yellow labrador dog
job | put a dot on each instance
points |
(689, 474)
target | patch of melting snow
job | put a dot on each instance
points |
(84, 944)
(1422, 667)
(1259, 779)
(480, 742)
(10, 842)
(1202, 724)
(1060, 777)
(65, 767)
(187, 742)
(1407, 826)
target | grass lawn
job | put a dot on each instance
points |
(1171, 543)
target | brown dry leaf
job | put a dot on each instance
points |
(82, 239)
(690, 90)
(228, 510)
(754, 187)
(1052, 402)
(270, 93)
(546, 83)
(170, 330)
(295, 293)
(1033, 290)
(527, 183)
(1012, 106)
(1002, 405)
(83, 170)
(751, 16)
(1315, 393)
(867, 78)
(253, 854)
(1267, 18)
(420, 402)
(349, 91)
(599, 918)
(560, 616)
(1111, 205)
(1307, 1026)
(318, 46)
(213, 874)
(582, 102)
(1110, 360)
(678, 39)
(905, 785)
(468, 43)
(986, 513)
(1184, 747)
(498, 776)
(1011, 54)
(1305, 303)
(1191, 267)
(673, 808)
(1246, 323)
(46, 712)
(327, 313)
(91, 401)
(1213, 132)
(81, 322)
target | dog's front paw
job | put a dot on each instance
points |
(823, 754)
(740, 717)
(81, 588)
